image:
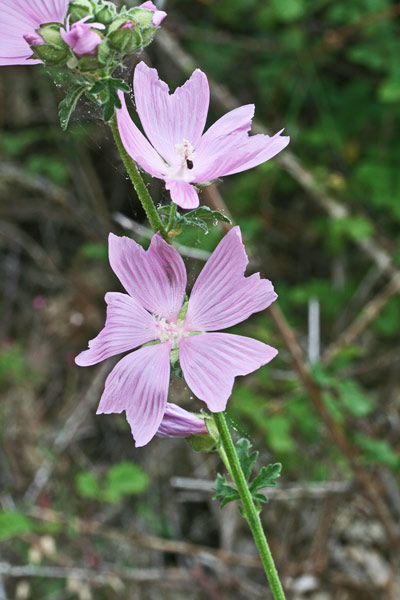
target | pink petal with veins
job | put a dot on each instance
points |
(211, 361)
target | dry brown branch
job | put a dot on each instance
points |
(370, 311)
(106, 576)
(283, 493)
(203, 553)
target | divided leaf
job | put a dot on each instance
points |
(201, 217)
(224, 491)
(247, 461)
(68, 105)
(266, 477)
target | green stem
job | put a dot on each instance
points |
(171, 216)
(138, 183)
(229, 456)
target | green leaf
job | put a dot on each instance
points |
(87, 485)
(266, 478)
(68, 105)
(200, 217)
(224, 491)
(247, 461)
(125, 478)
(14, 524)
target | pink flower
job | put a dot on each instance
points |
(178, 422)
(81, 38)
(155, 281)
(159, 15)
(18, 21)
(179, 152)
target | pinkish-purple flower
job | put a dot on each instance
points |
(178, 422)
(19, 20)
(150, 312)
(81, 37)
(158, 16)
(177, 150)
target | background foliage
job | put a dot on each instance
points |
(329, 73)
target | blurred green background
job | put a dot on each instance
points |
(322, 222)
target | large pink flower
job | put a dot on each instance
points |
(155, 281)
(20, 19)
(177, 151)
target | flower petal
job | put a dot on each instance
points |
(19, 17)
(156, 278)
(178, 422)
(136, 144)
(168, 119)
(139, 385)
(183, 194)
(128, 326)
(222, 296)
(229, 154)
(211, 361)
(236, 120)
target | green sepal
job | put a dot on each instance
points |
(142, 16)
(201, 442)
(55, 57)
(52, 37)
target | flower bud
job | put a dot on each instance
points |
(51, 48)
(82, 38)
(124, 36)
(106, 13)
(157, 17)
(33, 39)
(52, 36)
(178, 422)
(79, 9)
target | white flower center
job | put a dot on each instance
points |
(170, 332)
(182, 169)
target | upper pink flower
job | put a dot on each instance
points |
(155, 281)
(20, 19)
(81, 38)
(179, 152)
(158, 16)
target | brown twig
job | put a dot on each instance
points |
(103, 577)
(206, 554)
(370, 311)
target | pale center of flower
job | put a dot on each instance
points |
(184, 163)
(170, 332)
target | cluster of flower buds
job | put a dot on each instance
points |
(95, 35)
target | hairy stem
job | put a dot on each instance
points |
(229, 456)
(138, 183)
(171, 216)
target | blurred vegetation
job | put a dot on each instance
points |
(329, 73)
